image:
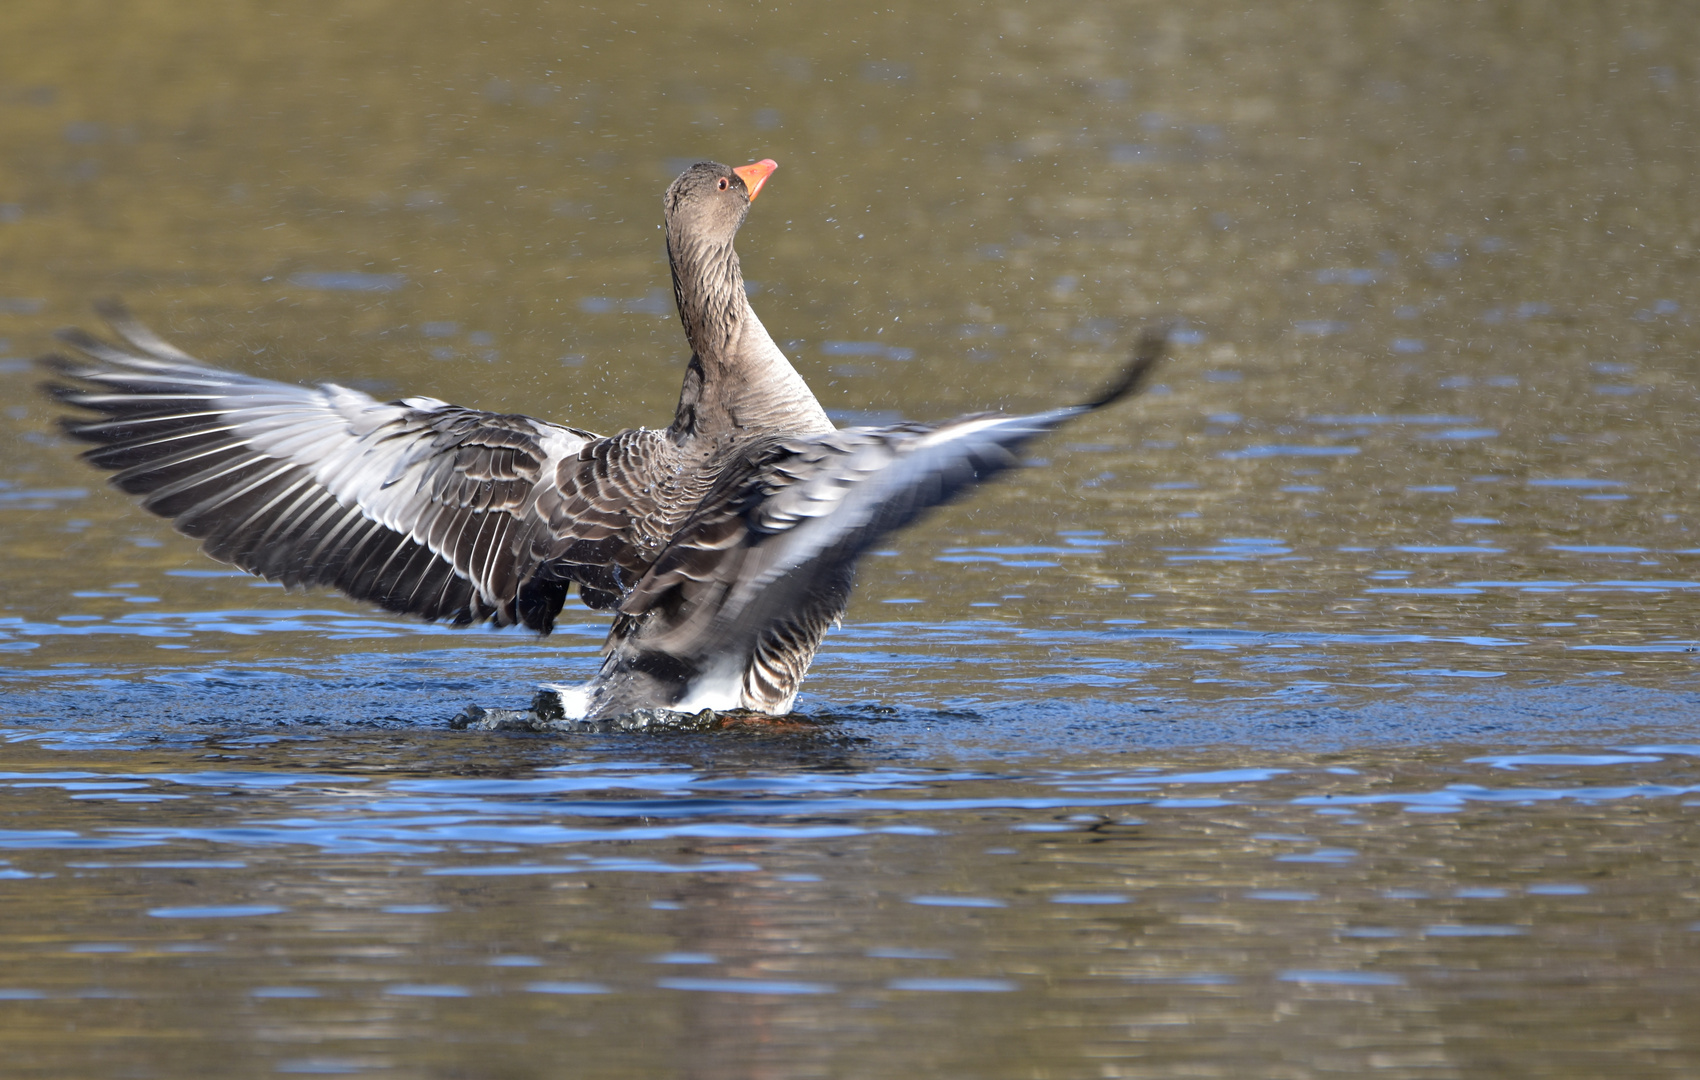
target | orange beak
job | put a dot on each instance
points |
(754, 176)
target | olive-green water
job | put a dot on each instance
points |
(1331, 710)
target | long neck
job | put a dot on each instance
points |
(738, 380)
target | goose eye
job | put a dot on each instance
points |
(724, 183)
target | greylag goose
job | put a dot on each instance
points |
(723, 544)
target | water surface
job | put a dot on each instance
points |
(1331, 709)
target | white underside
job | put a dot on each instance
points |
(719, 691)
(575, 700)
(715, 690)
(720, 687)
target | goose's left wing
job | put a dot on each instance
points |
(789, 518)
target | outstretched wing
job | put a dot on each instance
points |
(781, 532)
(416, 505)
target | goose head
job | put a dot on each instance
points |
(708, 201)
(704, 208)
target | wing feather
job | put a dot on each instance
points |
(417, 505)
(780, 535)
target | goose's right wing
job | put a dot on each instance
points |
(416, 505)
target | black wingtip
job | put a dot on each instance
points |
(78, 338)
(112, 310)
(116, 315)
(1147, 352)
(131, 332)
(63, 393)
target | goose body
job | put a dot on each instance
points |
(724, 544)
